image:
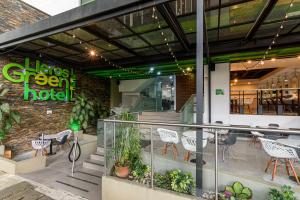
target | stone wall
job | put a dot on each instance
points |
(15, 13)
(34, 118)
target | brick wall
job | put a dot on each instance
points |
(15, 13)
(185, 87)
(34, 119)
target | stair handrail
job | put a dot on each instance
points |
(186, 116)
(191, 98)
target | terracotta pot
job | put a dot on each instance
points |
(122, 172)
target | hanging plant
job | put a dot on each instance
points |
(82, 112)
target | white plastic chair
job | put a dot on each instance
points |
(280, 153)
(60, 135)
(255, 136)
(40, 145)
(169, 137)
(189, 143)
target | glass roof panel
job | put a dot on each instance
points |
(113, 28)
(278, 12)
(66, 50)
(183, 7)
(211, 19)
(82, 34)
(191, 38)
(104, 45)
(156, 37)
(77, 58)
(234, 32)
(297, 29)
(64, 38)
(188, 23)
(165, 49)
(212, 35)
(31, 46)
(241, 13)
(146, 51)
(271, 29)
(133, 42)
(53, 52)
(111, 56)
(122, 53)
(42, 43)
(142, 21)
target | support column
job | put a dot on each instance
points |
(199, 96)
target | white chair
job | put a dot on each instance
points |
(255, 136)
(61, 135)
(40, 145)
(169, 137)
(189, 142)
(280, 153)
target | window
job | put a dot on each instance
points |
(271, 87)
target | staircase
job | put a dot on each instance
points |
(161, 117)
(86, 180)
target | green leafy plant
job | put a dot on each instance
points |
(176, 180)
(141, 173)
(236, 191)
(83, 111)
(7, 116)
(286, 193)
(127, 149)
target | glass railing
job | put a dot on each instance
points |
(147, 104)
(204, 160)
(266, 102)
(187, 112)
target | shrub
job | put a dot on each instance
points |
(286, 193)
(236, 191)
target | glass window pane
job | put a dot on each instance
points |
(64, 38)
(142, 21)
(188, 23)
(156, 37)
(113, 28)
(133, 42)
(211, 19)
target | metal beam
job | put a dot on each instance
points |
(171, 19)
(261, 18)
(77, 17)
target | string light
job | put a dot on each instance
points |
(276, 36)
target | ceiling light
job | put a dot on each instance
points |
(188, 69)
(158, 73)
(92, 53)
(273, 59)
(249, 83)
(249, 61)
(298, 57)
(170, 77)
(151, 69)
(262, 62)
(235, 80)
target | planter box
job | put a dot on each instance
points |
(133, 191)
(23, 166)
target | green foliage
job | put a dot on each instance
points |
(83, 111)
(176, 180)
(141, 173)
(7, 116)
(127, 149)
(286, 193)
(236, 191)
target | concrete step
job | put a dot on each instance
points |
(90, 172)
(97, 156)
(100, 150)
(90, 178)
(94, 165)
(62, 186)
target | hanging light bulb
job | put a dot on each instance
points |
(291, 5)
(281, 26)
(249, 61)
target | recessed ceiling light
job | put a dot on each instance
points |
(92, 53)
(158, 73)
(249, 61)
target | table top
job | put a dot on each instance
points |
(289, 142)
(49, 137)
(193, 134)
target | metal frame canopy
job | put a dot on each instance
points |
(127, 35)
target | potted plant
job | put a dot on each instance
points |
(127, 150)
(82, 112)
(236, 191)
(7, 118)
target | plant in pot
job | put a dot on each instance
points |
(82, 112)
(127, 150)
(7, 118)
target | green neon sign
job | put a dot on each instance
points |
(62, 82)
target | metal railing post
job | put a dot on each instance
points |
(216, 164)
(42, 144)
(114, 137)
(105, 148)
(151, 158)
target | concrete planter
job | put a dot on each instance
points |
(23, 166)
(2, 149)
(133, 191)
